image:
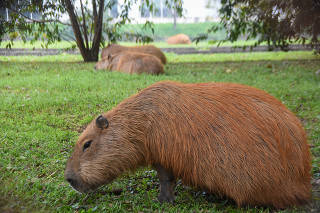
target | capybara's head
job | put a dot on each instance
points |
(83, 170)
(103, 64)
(102, 152)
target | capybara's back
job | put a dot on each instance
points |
(226, 138)
(134, 62)
(231, 139)
(113, 49)
(179, 39)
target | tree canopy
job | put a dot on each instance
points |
(277, 22)
(45, 20)
(35, 19)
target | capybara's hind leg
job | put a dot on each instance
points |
(167, 184)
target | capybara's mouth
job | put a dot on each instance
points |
(82, 188)
(78, 184)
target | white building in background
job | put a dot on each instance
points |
(193, 11)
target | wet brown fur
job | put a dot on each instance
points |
(179, 39)
(113, 49)
(132, 62)
(226, 138)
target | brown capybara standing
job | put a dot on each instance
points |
(132, 62)
(179, 39)
(229, 139)
(113, 49)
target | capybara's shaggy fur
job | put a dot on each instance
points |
(113, 49)
(228, 139)
(179, 39)
(132, 62)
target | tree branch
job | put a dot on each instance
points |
(84, 26)
(98, 26)
(75, 27)
(91, 26)
(94, 9)
(94, 17)
(35, 20)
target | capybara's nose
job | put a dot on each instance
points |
(71, 181)
(71, 178)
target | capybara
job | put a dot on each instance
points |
(132, 62)
(225, 138)
(179, 39)
(113, 49)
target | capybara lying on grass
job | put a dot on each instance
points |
(226, 138)
(132, 62)
(179, 39)
(113, 49)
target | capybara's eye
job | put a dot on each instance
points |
(86, 145)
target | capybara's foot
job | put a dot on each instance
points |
(166, 198)
(167, 184)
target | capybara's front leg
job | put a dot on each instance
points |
(167, 184)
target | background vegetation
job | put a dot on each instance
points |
(276, 23)
(279, 23)
(165, 30)
(86, 18)
(161, 33)
(47, 101)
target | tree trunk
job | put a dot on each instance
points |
(91, 55)
(88, 54)
(97, 31)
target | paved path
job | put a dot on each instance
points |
(182, 50)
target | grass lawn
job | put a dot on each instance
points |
(46, 101)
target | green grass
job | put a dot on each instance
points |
(174, 58)
(46, 101)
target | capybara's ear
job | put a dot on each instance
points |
(102, 122)
(109, 56)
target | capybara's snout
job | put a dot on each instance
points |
(70, 178)
(75, 182)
